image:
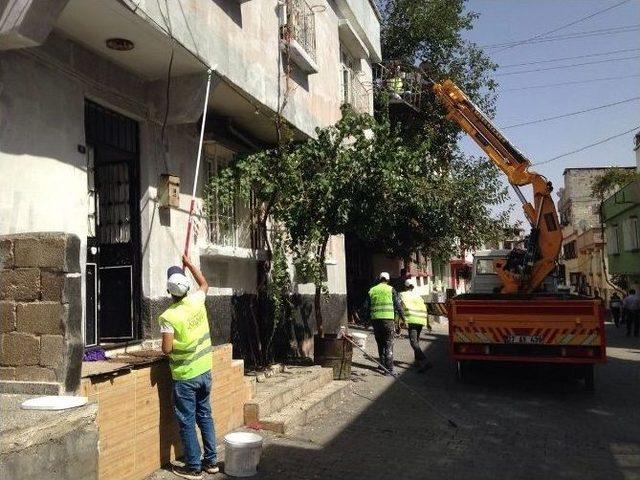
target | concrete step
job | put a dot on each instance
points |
(278, 391)
(303, 410)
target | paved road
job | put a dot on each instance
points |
(514, 422)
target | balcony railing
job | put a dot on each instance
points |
(301, 26)
(400, 83)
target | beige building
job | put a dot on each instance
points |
(582, 257)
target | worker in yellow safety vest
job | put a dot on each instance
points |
(187, 341)
(382, 306)
(415, 312)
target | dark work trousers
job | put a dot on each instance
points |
(632, 317)
(615, 313)
(383, 331)
(414, 340)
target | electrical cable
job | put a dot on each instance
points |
(546, 119)
(577, 82)
(570, 36)
(589, 55)
(573, 65)
(561, 27)
(581, 149)
(167, 98)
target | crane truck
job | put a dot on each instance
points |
(525, 319)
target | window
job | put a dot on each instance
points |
(484, 266)
(612, 240)
(574, 279)
(631, 234)
(229, 225)
(91, 193)
(569, 250)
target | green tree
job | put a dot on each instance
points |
(611, 180)
(430, 34)
(359, 177)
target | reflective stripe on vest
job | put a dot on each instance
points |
(381, 297)
(415, 309)
(191, 353)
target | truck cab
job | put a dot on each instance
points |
(484, 278)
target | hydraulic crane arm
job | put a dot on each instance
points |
(546, 238)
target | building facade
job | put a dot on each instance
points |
(621, 212)
(101, 103)
(583, 258)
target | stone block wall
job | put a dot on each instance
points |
(41, 311)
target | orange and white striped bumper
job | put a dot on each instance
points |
(542, 336)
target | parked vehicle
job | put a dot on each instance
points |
(515, 312)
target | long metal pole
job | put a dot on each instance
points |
(195, 180)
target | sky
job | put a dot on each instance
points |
(504, 21)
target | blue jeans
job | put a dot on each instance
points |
(191, 404)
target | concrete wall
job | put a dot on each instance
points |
(41, 311)
(242, 43)
(51, 444)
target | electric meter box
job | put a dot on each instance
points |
(169, 191)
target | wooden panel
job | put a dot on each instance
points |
(137, 428)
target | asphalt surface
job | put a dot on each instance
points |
(513, 422)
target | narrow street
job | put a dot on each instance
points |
(513, 422)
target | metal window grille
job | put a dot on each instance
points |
(301, 25)
(229, 225)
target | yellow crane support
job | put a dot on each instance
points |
(545, 239)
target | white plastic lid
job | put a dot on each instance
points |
(243, 439)
(54, 402)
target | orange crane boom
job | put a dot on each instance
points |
(545, 239)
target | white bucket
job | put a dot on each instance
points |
(359, 339)
(242, 452)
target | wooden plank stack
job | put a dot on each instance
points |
(138, 431)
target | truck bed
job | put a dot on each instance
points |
(527, 328)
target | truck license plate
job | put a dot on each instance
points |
(523, 339)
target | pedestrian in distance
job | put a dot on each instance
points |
(615, 305)
(415, 311)
(187, 341)
(631, 312)
(381, 306)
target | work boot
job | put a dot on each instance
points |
(188, 473)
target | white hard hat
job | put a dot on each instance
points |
(178, 284)
(384, 276)
(409, 282)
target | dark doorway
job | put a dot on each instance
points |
(113, 242)
(359, 274)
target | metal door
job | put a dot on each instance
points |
(113, 242)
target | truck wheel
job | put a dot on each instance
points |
(589, 378)
(460, 370)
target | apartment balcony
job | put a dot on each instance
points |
(298, 35)
(355, 93)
